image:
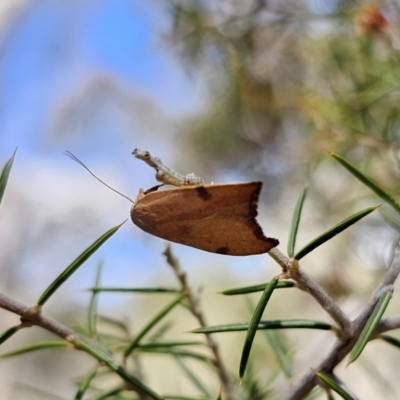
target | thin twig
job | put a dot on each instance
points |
(29, 314)
(388, 324)
(329, 305)
(344, 345)
(30, 317)
(194, 301)
(291, 269)
(387, 283)
(309, 381)
(280, 258)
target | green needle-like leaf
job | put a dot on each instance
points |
(275, 324)
(253, 326)
(152, 323)
(106, 358)
(333, 385)
(295, 222)
(281, 352)
(330, 233)
(51, 344)
(370, 326)
(76, 264)
(391, 340)
(5, 174)
(316, 394)
(161, 345)
(133, 290)
(193, 377)
(180, 397)
(257, 288)
(8, 333)
(368, 182)
(111, 393)
(92, 312)
(85, 383)
(180, 353)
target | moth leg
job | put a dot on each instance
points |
(153, 189)
(163, 173)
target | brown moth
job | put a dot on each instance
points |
(216, 218)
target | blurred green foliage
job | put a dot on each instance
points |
(290, 79)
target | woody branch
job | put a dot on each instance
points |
(350, 330)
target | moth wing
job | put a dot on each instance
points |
(216, 218)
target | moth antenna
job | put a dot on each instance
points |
(70, 155)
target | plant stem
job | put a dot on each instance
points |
(194, 301)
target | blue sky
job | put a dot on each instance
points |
(54, 46)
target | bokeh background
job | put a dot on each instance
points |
(231, 90)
